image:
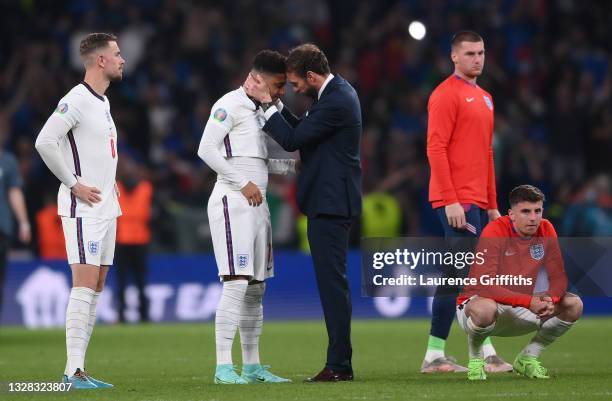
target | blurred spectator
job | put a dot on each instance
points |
(51, 243)
(11, 201)
(133, 233)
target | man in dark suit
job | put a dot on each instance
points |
(329, 185)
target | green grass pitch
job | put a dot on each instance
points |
(176, 362)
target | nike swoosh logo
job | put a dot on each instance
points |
(469, 99)
(509, 253)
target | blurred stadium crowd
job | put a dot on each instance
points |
(548, 68)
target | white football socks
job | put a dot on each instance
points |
(227, 318)
(476, 336)
(550, 330)
(77, 327)
(251, 322)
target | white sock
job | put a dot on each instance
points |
(251, 322)
(476, 336)
(433, 354)
(488, 349)
(228, 317)
(551, 329)
(91, 324)
(77, 327)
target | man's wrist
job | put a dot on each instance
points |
(269, 111)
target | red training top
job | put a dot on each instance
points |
(459, 145)
(507, 253)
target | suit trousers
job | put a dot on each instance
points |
(328, 237)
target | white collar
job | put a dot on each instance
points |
(329, 78)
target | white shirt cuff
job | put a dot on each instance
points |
(270, 112)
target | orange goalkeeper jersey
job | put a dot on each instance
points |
(459, 145)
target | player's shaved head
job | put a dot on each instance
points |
(465, 36)
(94, 42)
(270, 62)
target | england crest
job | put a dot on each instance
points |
(537, 251)
(243, 261)
(488, 102)
(93, 247)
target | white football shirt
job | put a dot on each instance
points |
(89, 149)
(238, 115)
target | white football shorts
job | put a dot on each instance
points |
(90, 241)
(241, 234)
(511, 321)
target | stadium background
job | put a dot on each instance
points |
(548, 68)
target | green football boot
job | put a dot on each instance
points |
(530, 367)
(476, 369)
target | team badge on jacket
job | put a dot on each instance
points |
(537, 251)
(488, 102)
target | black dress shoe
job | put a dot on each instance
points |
(329, 375)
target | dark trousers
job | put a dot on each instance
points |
(328, 237)
(444, 302)
(4, 246)
(132, 259)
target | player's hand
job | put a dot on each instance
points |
(541, 305)
(89, 195)
(550, 307)
(493, 214)
(25, 232)
(455, 215)
(256, 87)
(252, 193)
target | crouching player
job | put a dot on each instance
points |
(503, 302)
(234, 146)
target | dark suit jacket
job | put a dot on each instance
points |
(328, 139)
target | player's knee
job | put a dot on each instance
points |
(482, 311)
(572, 307)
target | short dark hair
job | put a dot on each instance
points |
(95, 41)
(270, 61)
(307, 57)
(525, 193)
(465, 36)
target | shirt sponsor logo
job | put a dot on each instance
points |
(93, 247)
(243, 261)
(488, 102)
(220, 115)
(537, 251)
(62, 108)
